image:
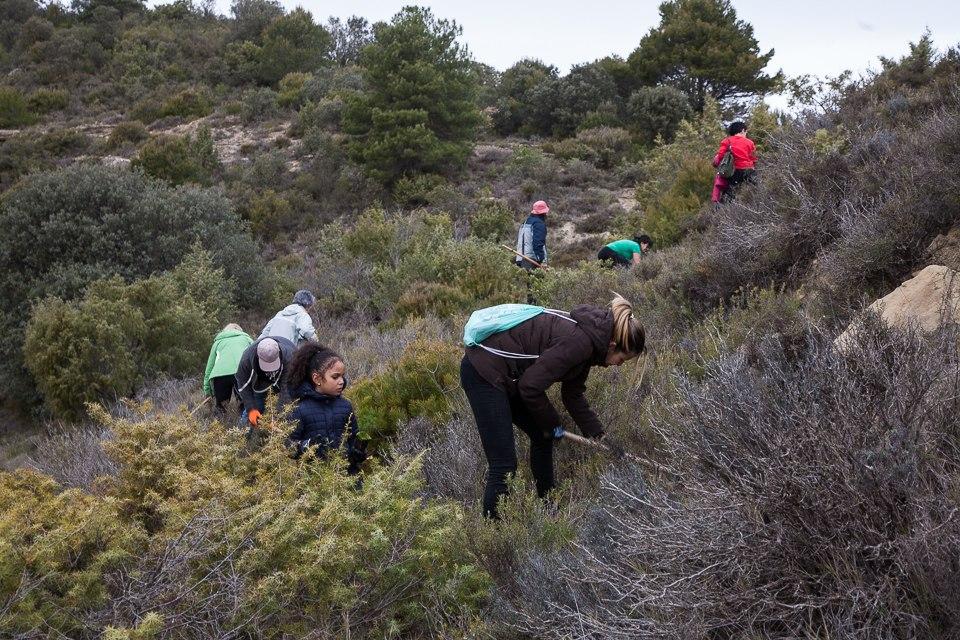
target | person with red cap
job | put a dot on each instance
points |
(532, 238)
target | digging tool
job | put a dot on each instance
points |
(197, 408)
(617, 452)
(527, 258)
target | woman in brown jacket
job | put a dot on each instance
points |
(506, 391)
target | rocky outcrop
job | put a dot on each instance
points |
(928, 299)
(945, 249)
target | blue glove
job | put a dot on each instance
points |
(558, 433)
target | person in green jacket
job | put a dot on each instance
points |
(219, 380)
(626, 253)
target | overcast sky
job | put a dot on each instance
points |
(815, 36)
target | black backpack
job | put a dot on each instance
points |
(726, 167)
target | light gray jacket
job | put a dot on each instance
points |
(293, 323)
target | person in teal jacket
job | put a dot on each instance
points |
(626, 253)
(219, 381)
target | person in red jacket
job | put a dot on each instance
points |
(744, 158)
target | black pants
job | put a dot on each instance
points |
(733, 182)
(223, 388)
(609, 254)
(496, 413)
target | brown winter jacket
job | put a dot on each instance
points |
(566, 350)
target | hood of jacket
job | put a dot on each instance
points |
(307, 391)
(226, 334)
(291, 310)
(597, 323)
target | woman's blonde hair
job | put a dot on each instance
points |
(628, 333)
(233, 326)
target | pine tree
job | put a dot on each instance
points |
(703, 49)
(418, 114)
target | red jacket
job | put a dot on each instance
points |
(744, 152)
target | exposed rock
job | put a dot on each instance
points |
(924, 301)
(945, 249)
(115, 161)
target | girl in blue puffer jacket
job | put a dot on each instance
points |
(324, 418)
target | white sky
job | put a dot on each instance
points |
(818, 37)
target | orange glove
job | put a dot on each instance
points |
(253, 415)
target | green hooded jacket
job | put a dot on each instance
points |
(225, 354)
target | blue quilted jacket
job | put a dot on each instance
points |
(321, 421)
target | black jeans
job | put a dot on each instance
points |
(738, 178)
(496, 413)
(223, 388)
(609, 254)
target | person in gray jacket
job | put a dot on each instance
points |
(294, 322)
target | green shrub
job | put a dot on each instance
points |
(657, 111)
(418, 384)
(431, 298)
(131, 132)
(492, 221)
(47, 100)
(189, 103)
(270, 213)
(117, 334)
(291, 89)
(94, 341)
(323, 114)
(570, 149)
(610, 145)
(413, 191)
(179, 160)
(57, 547)
(258, 105)
(188, 508)
(63, 142)
(665, 215)
(68, 228)
(678, 176)
(13, 109)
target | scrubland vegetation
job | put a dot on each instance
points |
(165, 171)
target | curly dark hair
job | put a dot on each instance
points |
(310, 357)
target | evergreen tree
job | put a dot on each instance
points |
(349, 39)
(418, 114)
(527, 98)
(293, 43)
(703, 49)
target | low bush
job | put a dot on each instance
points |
(418, 384)
(492, 221)
(179, 160)
(271, 214)
(610, 145)
(14, 111)
(667, 215)
(130, 132)
(63, 142)
(318, 554)
(189, 104)
(117, 335)
(258, 105)
(814, 502)
(47, 100)
(414, 191)
(290, 89)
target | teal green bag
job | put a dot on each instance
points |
(483, 323)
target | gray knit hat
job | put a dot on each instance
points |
(304, 298)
